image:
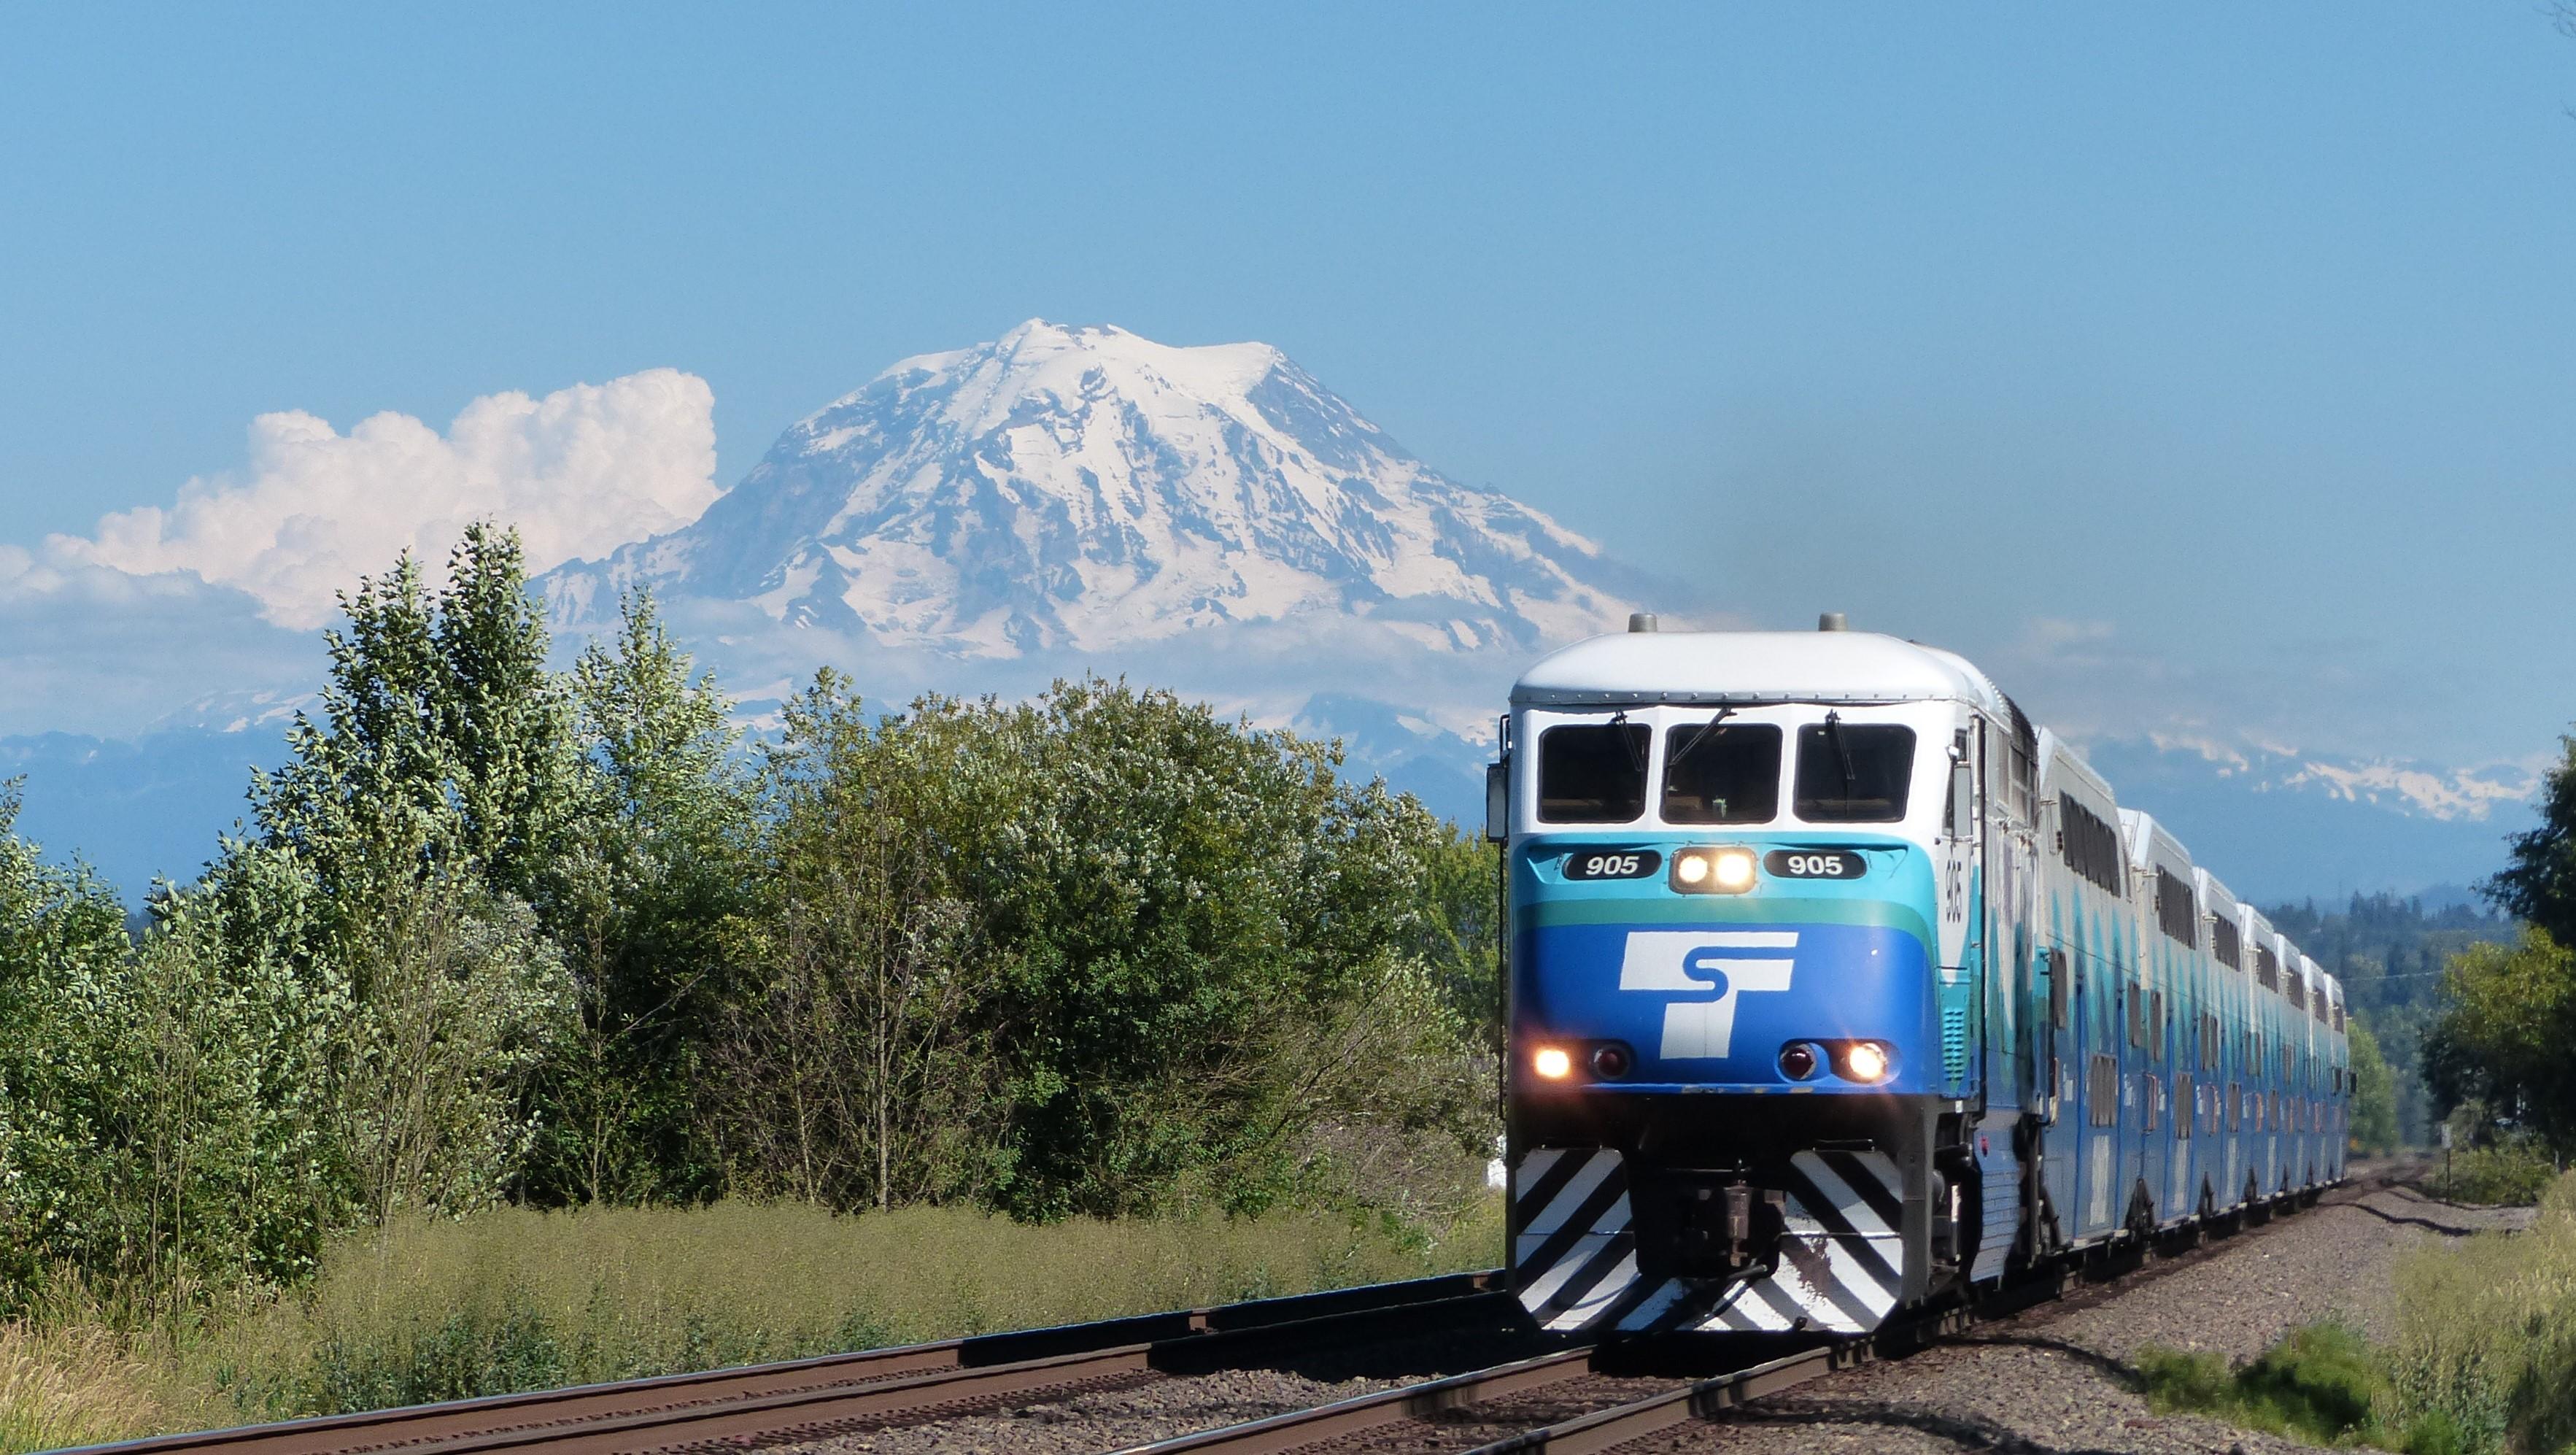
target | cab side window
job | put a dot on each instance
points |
(1853, 772)
(1592, 773)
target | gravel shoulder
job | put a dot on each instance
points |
(2052, 1379)
(1145, 1408)
(2049, 1380)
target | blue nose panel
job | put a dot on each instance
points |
(1713, 1005)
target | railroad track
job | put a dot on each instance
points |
(1572, 1401)
(1586, 1399)
(810, 1399)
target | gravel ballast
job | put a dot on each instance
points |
(2048, 1380)
(2052, 1379)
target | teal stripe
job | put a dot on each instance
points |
(1711, 909)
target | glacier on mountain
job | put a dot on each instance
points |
(1085, 488)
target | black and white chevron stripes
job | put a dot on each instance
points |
(1575, 1254)
(1839, 1266)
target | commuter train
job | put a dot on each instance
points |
(1836, 988)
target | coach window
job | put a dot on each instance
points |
(1721, 772)
(1853, 772)
(1592, 773)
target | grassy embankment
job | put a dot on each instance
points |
(2482, 1359)
(516, 1300)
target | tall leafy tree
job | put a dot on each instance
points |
(2538, 885)
(2503, 1039)
(859, 1070)
(2374, 1104)
(401, 860)
(1208, 937)
(657, 888)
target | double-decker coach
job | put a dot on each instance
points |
(1837, 987)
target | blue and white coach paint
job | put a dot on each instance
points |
(1835, 985)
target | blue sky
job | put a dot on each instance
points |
(2198, 368)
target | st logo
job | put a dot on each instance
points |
(1711, 968)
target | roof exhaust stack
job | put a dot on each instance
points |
(1833, 621)
(1641, 621)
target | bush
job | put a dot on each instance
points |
(513, 1299)
(2320, 1384)
(2512, 1173)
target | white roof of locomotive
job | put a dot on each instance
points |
(1629, 668)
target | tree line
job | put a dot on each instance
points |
(501, 933)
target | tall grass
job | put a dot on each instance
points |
(80, 1386)
(514, 1299)
(2486, 1332)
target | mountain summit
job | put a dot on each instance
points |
(1086, 488)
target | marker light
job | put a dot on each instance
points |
(1713, 871)
(1865, 1061)
(1798, 1062)
(1552, 1063)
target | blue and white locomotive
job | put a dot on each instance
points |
(1836, 989)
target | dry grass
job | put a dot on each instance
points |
(80, 1386)
(524, 1300)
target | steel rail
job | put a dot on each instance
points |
(1618, 1425)
(869, 1387)
(1425, 1400)
(1603, 1429)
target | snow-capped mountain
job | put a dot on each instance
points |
(1086, 488)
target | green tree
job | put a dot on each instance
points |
(2503, 1039)
(1462, 931)
(401, 860)
(62, 938)
(860, 1073)
(161, 1124)
(657, 886)
(1208, 940)
(2374, 1103)
(2538, 886)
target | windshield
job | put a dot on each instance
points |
(1853, 772)
(1592, 773)
(1721, 772)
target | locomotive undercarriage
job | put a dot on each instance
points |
(1647, 1212)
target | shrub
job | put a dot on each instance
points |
(2514, 1172)
(2320, 1384)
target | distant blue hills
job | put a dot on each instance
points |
(157, 806)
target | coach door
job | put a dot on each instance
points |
(2061, 1109)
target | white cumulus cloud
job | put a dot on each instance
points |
(579, 472)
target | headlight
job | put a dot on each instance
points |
(1713, 871)
(1865, 1061)
(1552, 1063)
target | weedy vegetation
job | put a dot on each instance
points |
(522, 1299)
(2482, 1360)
